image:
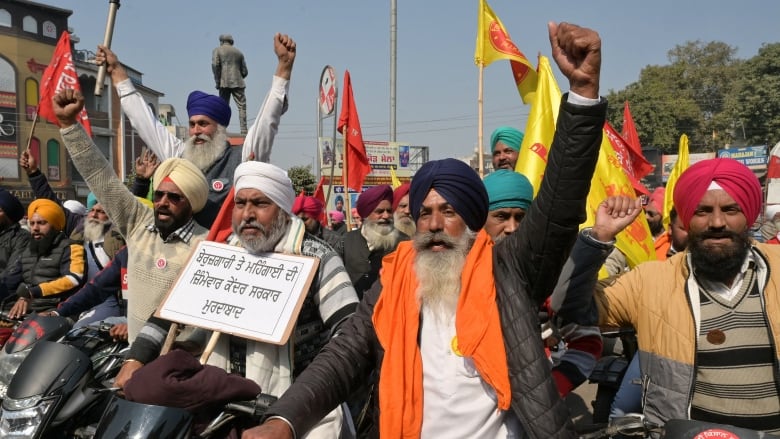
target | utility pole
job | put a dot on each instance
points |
(393, 52)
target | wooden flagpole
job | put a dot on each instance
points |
(32, 130)
(479, 122)
(344, 179)
(113, 5)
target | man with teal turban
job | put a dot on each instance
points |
(505, 145)
(510, 194)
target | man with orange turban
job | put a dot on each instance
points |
(707, 318)
(52, 266)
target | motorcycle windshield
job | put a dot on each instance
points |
(35, 328)
(126, 419)
(48, 369)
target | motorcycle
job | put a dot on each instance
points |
(27, 333)
(123, 418)
(635, 425)
(61, 388)
(620, 346)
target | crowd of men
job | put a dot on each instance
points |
(424, 320)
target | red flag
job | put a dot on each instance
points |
(773, 169)
(622, 150)
(319, 194)
(355, 154)
(60, 74)
(638, 162)
(223, 224)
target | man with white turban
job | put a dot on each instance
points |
(261, 220)
(159, 240)
(209, 117)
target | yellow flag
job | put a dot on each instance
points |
(682, 163)
(395, 182)
(540, 127)
(609, 179)
(494, 43)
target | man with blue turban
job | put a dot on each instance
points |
(505, 145)
(451, 326)
(209, 116)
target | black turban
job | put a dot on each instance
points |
(458, 184)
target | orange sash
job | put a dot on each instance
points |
(396, 321)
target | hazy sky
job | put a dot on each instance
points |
(171, 43)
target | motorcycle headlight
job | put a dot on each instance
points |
(23, 423)
(9, 363)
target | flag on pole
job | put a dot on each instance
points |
(355, 149)
(395, 182)
(773, 169)
(540, 127)
(682, 163)
(60, 74)
(621, 148)
(494, 43)
(639, 163)
(609, 179)
(319, 194)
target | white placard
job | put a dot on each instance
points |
(226, 289)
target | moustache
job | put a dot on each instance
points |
(430, 239)
(204, 137)
(251, 224)
(718, 235)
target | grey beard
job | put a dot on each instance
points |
(94, 230)
(439, 273)
(205, 154)
(380, 236)
(271, 235)
(405, 224)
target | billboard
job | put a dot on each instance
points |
(754, 157)
(382, 156)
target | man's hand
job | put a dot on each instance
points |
(67, 105)
(126, 372)
(284, 47)
(577, 51)
(118, 332)
(113, 66)
(146, 164)
(28, 163)
(270, 429)
(613, 215)
(20, 308)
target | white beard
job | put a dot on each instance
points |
(379, 236)
(404, 223)
(270, 235)
(204, 155)
(439, 273)
(95, 230)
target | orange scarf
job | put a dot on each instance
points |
(396, 321)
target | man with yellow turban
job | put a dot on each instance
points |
(159, 240)
(52, 266)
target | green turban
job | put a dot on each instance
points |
(511, 137)
(507, 189)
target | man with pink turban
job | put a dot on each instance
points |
(707, 318)
(310, 209)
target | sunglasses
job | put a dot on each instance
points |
(173, 197)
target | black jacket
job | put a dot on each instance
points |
(526, 268)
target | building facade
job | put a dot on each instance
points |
(29, 32)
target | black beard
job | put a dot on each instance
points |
(718, 266)
(42, 247)
(656, 227)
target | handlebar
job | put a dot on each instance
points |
(256, 407)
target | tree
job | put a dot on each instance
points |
(754, 105)
(687, 96)
(302, 179)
